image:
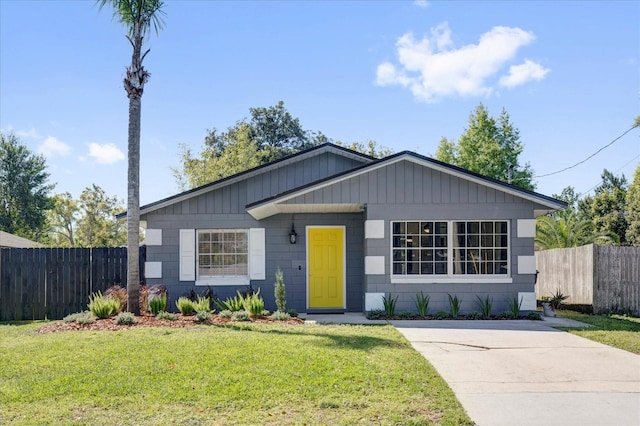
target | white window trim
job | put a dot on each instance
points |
(450, 277)
(221, 280)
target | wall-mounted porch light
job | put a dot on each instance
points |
(293, 236)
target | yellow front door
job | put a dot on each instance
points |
(325, 254)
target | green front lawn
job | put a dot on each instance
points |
(243, 374)
(614, 330)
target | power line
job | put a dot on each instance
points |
(584, 194)
(589, 157)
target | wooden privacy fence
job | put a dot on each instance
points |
(50, 283)
(606, 277)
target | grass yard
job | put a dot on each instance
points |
(242, 374)
(614, 330)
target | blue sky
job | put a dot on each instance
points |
(402, 73)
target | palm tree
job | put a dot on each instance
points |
(566, 232)
(138, 16)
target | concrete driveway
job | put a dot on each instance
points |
(527, 373)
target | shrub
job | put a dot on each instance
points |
(442, 315)
(389, 304)
(185, 306)
(164, 315)
(202, 304)
(203, 316)
(125, 318)
(103, 307)
(406, 314)
(118, 293)
(266, 313)
(280, 316)
(475, 315)
(240, 316)
(557, 299)
(292, 312)
(80, 317)
(375, 314)
(280, 292)
(158, 304)
(535, 315)
(422, 304)
(233, 304)
(253, 303)
(485, 305)
(225, 314)
(514, 306)
(454, 305)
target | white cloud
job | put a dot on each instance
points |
(433, 67)
(31, 133)
(520, 74)
(105, 154)
(51, 146)
(421, 3)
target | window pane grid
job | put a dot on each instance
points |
(222, 253)
(450, 247)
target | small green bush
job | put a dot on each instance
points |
(375, 314)
(103, 307)
(454, 305)
(280, 316)
(225, 314)
(389, 304)
(203, 316)
(185, 306)
(85, 317)
(253, 303)
(293, 313)
(475, 315)
(406, 314)
(514, 306)
(507, 315)
(280, 292)
(202, 304)
(164, 315)
(233, 304)
(422, 304)
(535, 315)
(442, 315)
(118, 293)
(240, 316)
(266, 313)
(125, 318)
(158, 304)
(485, 305)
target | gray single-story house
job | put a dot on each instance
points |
(347, 229)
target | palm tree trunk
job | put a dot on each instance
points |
(133, 207)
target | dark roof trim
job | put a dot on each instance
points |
(238, 176)
(458, 170)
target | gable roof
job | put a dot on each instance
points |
(302, 155)
(13, 241)
(271, 205)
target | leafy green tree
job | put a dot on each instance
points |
(566, 232)
(62, 219)
(24, 189)
(606, 209)
(571, 197)
(370, 148)
(633, 210)
(97, 225)
(490, 147)
(138, 16)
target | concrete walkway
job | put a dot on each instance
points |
(525, 372)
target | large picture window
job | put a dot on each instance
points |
(222, 253)
(450, 248)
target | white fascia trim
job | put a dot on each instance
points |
(223, 281)
(448, 280)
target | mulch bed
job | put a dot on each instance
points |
(181, 321)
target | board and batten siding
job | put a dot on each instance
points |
(408, 191)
